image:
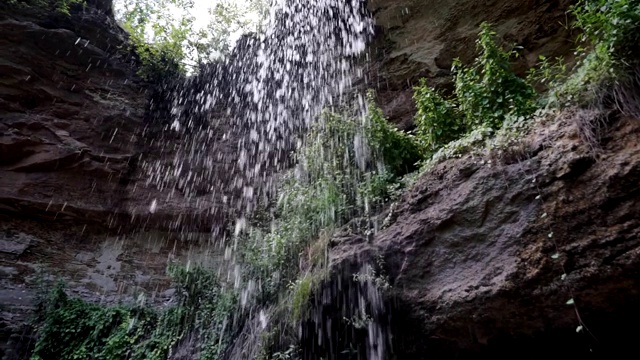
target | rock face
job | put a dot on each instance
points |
(482, 257)
(506, 255)
(421, 38)
(69, 117)
(73, 203)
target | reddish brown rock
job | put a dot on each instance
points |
(419, 39)
(483, 257)
(73, 204)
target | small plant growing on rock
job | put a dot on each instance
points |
(609, 68)
(437, 119)
(488, 91)
(399, 150)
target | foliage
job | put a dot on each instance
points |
(318, 195)
(611, 26)
(347, 165)
(159, 33)
(71, 328)
(548, 73)
(488, 91)
(378, 186)
(289, 354)
(74, 329)
(345, 169)
(229, 18)
(64, 5)
(301, 292)
(609, 54)
(399, 150)
(437, 119)
(167, 41)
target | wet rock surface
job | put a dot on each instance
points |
(74, 205)
(419, 39)
(484, 256)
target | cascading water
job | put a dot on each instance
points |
(248, 113)
(234, 125)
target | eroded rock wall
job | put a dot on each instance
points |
(74, 204)
(487, 250)
(419, 39)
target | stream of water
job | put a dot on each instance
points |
(239, 120)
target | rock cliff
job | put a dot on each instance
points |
(487, 251)
(419, 39)
(73, 203)
(483, 255)
(528, 252)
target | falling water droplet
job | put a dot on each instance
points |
(153, 206)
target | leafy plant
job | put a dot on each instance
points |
(400, 151)
(610, 56)
(488, 91)
(62, 6)
(611, 26)
(437, 119)
(70, 328)
(548, 73)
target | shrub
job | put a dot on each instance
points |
(437, 119)
(612, 26)
(400, 151)
(611, 65)
(488, 91)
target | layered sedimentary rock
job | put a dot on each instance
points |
(529, 252)
(74, 204)
(420, 39)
